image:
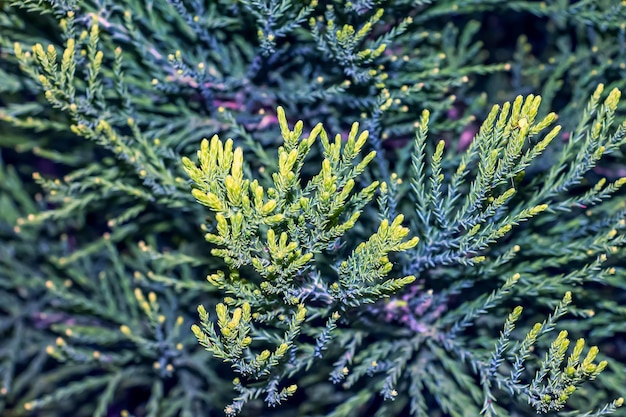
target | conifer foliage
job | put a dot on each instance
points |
(309, 208)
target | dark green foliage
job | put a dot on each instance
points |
(325, 302)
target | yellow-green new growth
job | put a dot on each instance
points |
(276, 231)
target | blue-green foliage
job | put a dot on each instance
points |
(104, 250)
(461, 220)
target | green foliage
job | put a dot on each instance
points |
(324, 300)
(457, 231)
(279, 233)
(469, 217)
(21, 292)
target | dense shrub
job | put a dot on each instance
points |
(376, 238)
